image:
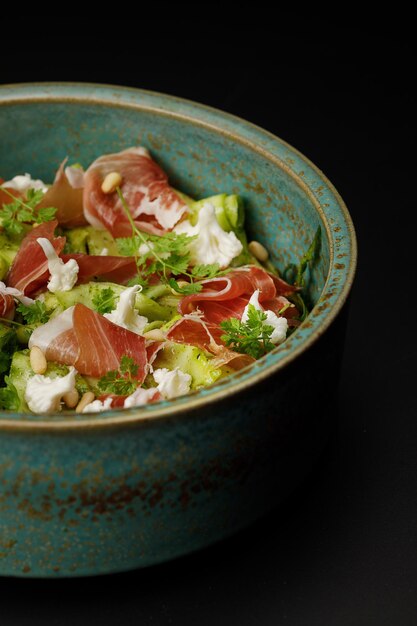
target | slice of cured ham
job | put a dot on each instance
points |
(116, 269)
(196, 332)
(233, 289)
(29, 271)
(87, 340)
(153, 204)
(66, 194)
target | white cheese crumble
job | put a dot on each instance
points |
(97, 406)
(125, 314)
(16, 293)
(140, 397)
(172, 383)
(63, 275)
(279, 324)
(104, 252)
(24, 182)
(44, 394)
(213, 244)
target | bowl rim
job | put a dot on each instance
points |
(234, 128)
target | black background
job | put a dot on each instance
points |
(342, 549)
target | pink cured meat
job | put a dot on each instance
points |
(239, 282)
(116, 269)
(7, 306)
(94, 345)
(66, 197)
(29, 271)
(153, 204)
(207, 336)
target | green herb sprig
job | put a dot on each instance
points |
(166, 255)
(34, 313)
(121, 382)
(252, 337)
(14, 215)
(104, 301)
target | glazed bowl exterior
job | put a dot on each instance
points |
(124, 489)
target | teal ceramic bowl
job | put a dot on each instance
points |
(125, 489)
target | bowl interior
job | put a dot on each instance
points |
(204, 152)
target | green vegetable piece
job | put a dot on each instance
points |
(21, 371)
(8, 343)
(4, 268)
(190, 360)
(89, 240)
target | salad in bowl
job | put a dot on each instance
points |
(117, 290)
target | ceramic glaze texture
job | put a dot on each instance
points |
(87, 495)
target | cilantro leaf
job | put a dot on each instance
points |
(34, 313)
(15, 214)
(104, 301)
(120, 382)
(251, 337)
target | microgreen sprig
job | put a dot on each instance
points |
(14, 215)
(166, 255)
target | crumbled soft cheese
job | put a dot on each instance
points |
(63, 275)
(279, 324)
(104, 252)
(97, 406)
(44, 394)
(213, 244)
(25, 182)
(157, 208)
(140, 397)
(172, 383)
(16, 293)
(125, 314)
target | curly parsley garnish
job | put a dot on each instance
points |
(14, 215)
(34, 313)
(165, 255)
(121, 382)
(104, 301)
(252, 337)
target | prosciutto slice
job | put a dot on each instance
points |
(7, 306)
(207, 336)
(66, 194)
(221, 299)
(87, 340)
(116, 269)
(29, 270)
(153, 204)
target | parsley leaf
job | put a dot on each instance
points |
(251, 337)
(34, 313)
(104, 301)
(19, 212)
(121, 382)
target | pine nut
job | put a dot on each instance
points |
(111, 181)
(38, 361)
(156, 334)
(71, 398)
(259, 251)
(87, 397)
